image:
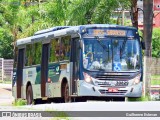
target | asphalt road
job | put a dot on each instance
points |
(6, 100)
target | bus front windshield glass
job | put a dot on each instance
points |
(111, 54)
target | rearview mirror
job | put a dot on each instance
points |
(142, 43)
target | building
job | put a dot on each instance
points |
(125, 17)
(156, 11)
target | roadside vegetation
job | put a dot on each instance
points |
(22, 18)
(58, 115)
(143, 98)
(155, 80)
(6, 81)
(19, 102)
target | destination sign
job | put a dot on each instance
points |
(100, 32)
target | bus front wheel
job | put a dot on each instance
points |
(29, 95)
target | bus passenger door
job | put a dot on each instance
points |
(75, 66)
(20, 71)
(44, 69)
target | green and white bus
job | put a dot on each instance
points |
(98, 61)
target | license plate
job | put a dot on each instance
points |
(112, 90)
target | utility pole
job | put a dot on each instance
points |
(147, 35)
(134, 13)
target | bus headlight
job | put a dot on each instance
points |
(87, 77)
(136, 80)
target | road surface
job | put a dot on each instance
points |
(6, 100)
(6, 94)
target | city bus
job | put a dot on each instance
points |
(70, 63)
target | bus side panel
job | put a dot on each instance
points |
(32, 75)
(52, 86)
(56, 73)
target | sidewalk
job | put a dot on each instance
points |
(6, 94)
(2, 85)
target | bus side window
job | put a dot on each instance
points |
(54, 50)
(28, 55)
(65, 48)
(37, 52)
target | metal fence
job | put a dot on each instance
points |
(6, 69)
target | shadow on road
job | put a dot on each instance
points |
(9, 89)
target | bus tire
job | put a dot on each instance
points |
(29, 95)
(66, 96)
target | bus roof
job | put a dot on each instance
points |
(51, 29)
(61, 31)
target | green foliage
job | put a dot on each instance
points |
(155, 80)
(20, 102)
(143, 98)
(6, 81)
(95, 11)
(6, 48)
(156, 43)
(22, 18)
(58, 115)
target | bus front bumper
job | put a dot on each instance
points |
(87, 89)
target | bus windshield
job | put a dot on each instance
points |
(111, 54)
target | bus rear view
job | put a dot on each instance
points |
(111, 62)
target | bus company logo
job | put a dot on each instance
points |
(122, 83)
(57, 69)
(112, 83)
(108, 83)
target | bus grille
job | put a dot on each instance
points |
(112, 77)
(119, 92)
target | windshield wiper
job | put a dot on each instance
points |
(103, 46)
(122, 48)
(106, 49)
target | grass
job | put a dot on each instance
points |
(20, 102)
(143, 98)
(6, 81)
(155, 80)
(58, 115)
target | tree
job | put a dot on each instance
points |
(147, 35)
(94, 11)
(22, 18)
(134, 13)
(8, 28)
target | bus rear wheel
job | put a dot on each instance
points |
(66, 96)
(29, 95)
